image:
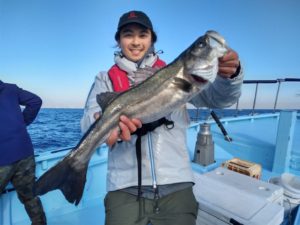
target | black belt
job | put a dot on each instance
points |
(148, 127)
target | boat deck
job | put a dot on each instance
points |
(92, 214)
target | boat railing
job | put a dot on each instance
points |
(258, 82)
(253, 109)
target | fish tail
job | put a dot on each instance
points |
(63, 176)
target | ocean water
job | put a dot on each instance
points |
(57, 129)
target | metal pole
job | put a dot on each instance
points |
(277, 94)
(254, 102)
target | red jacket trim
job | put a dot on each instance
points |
(120, 79)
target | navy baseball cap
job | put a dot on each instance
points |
(138, 17)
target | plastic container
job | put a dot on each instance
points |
(291, 190)
(243, 167)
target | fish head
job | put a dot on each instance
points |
(201, 58)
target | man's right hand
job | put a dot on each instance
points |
(123, 132)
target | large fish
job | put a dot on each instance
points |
(154, 98)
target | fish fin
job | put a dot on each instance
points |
(62, 176)
(182, 84)
(104, 99)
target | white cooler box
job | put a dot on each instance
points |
(227, 197)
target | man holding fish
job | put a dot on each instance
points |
(165, 189)
(138, 108)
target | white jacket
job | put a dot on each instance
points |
(169, 148)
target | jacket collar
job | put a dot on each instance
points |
(130, 66)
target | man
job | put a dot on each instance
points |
(17, 164)
(164, 188)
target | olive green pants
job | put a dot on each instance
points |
(22, 175)
(179, 208)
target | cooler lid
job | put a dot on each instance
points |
(230, 195)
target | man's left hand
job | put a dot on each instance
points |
(228, 64)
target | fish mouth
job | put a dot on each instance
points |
(199, 79)
(216, 39)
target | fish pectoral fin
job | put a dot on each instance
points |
(62, 176)
(183, 84)
(104, 99)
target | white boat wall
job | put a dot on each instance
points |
(225, 196)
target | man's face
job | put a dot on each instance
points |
(135, 40)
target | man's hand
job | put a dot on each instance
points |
(126, 128)
(228, 64)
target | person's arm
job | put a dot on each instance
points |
(226, 89)
(32, 104)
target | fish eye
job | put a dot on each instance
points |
(201, 45)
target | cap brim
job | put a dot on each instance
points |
(134, 21)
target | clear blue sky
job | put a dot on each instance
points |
(56, 47)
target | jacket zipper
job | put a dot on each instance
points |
(153, 173)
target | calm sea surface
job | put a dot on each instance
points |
(56, 129)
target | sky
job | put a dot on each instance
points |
(55, 48)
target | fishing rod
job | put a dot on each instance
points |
(220, 125)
